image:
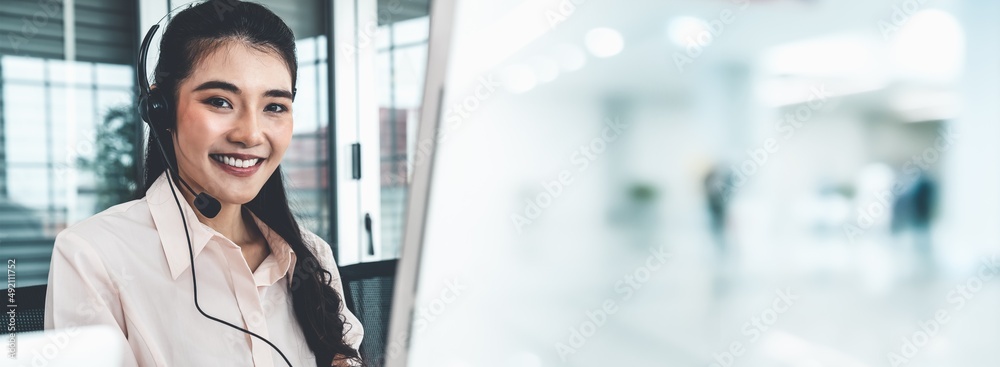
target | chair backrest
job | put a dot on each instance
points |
(29, 308)
(368, 294)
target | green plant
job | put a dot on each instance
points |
(114, 164)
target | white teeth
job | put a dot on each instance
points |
(239, 163)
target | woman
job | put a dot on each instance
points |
(229, 74)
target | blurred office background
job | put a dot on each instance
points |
(70, 139)
(820, 173)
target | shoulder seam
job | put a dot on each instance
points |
(105, 213)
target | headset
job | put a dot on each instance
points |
(154, 108)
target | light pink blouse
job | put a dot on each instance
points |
(129, 267)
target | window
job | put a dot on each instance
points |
(305, 162)
(66, 108)
(381, 52)
(401, 63)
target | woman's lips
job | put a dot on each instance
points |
(238, 171)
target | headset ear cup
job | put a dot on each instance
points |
(157, 110)
(143, 109)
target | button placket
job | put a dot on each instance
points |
(249, 303)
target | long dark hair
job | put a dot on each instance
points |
(190, 36)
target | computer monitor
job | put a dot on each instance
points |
(704, 183)
(408, 268)
(89, 346)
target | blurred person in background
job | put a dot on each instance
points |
(719, 188)
(913, 212)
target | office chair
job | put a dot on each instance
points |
(30, 311)
(368, 294)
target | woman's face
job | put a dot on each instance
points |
(234, 121)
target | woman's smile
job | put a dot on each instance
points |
(239, 165)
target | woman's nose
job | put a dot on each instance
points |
(248, 131)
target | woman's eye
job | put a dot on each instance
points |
(274, 107)
(218, 103)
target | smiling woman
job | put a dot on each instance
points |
(229, 87)
(235, 107)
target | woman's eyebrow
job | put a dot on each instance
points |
(278, 93)
(218, 84)
(227, 86)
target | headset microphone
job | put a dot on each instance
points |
(154, 109)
